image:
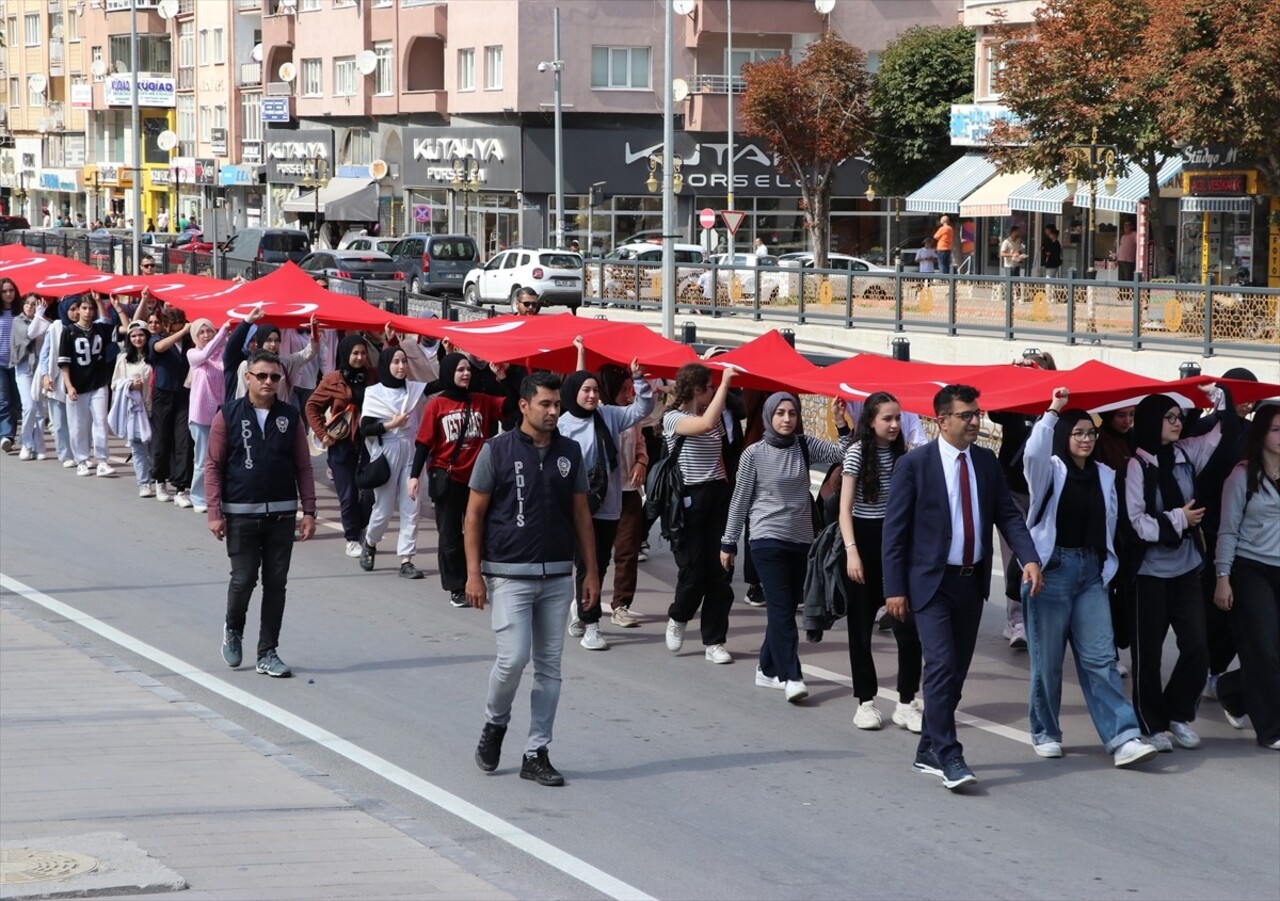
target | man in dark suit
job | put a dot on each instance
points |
(943, 501)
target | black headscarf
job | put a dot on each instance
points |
(448, 368)
(1148, 427)
(384, 366)
(356, 378)
(1129, 438)
(264, 331)
(569, 404)
(1083, 483)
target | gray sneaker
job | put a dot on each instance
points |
(231, 652)
(271, 664)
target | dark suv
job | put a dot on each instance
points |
(265, 245)
(435, 264)
(10, 223)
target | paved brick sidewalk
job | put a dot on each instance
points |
(84, 749)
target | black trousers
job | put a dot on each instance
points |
(1255, 621)
(1217, 627)
(702, 581)
(864, 601)
(606, 530)
(354, 504)
(451, 554)
(259, 543)
(171, 457)
(1162, 604)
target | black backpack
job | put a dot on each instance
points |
(664, 493)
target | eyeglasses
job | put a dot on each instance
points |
(263, 376)
(1091, 435)
(1172, 417)
(967, 415)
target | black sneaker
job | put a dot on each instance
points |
(537, 766)
(490, 747)
(458, 599)
(755, 596)
(231, 651)
(367, 553)
(409, 571)
(270, 664)
(927, 762)
(956, 774)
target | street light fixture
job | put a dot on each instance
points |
(1097, 160)
(466, 178)
(677, 179)
(316, 178)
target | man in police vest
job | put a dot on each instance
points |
(528, 502)
(257, 472)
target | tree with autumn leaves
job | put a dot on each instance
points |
(815, 115)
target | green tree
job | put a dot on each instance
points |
(922, 72)
(815, 115)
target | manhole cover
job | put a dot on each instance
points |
(19, 866)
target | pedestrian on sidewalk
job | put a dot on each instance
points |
(254, 482)
(527, 516)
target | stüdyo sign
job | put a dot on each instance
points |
(429, 155)
(291, 155)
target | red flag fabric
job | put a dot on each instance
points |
(51, 275)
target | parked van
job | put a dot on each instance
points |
(436, 264)
(265, 245)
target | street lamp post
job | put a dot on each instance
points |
(20, 195)
(316, 178)
(556, 65)
(466, 178)
(668, 171)
(1098, 160)
(177, 197)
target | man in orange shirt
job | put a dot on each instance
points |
(945, 235)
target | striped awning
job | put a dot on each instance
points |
(945, 191)
(992, 198)
(1215, 204)
(1037, 198)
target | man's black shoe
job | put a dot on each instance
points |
(490, 747)
(537, 766)
(409, 571)
(956, 774)
(367, 554)
(927, 762)
(458, 599)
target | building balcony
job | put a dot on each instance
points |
(55, 56)
(278, 30)
(709, 19)
(424, 20)
(248, 6)
(436, 102)
(708, 103)
(250, 74)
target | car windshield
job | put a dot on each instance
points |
(560, 260)
(285, 243)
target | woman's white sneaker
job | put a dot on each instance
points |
(763, 681)
(909, 716)
(1184, 735)
(867, 716)
(717, 654)
(1133, 751)
(797, 691)
(675, 636)
(592, 640)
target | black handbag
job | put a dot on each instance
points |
(373, 473)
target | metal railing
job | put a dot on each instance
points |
(718, 84)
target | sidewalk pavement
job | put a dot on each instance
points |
(89, 746)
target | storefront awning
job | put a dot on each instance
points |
(1215, 204)
(1037, 198)
(342, 199)
(944, 193)
(992, 199)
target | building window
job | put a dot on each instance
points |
(205, 55)
(344, 76)
(186, 56)
(251, 117)
(95, 55)
(31, 27)
(11, 29)
(493, 68)
(35, 99)
(467, 69)
(73, 28)
(206, 123)
(15, 92)
(312, 78)
(990, 69)
(186, 125)
(219, 47)
(749, 55)
(155, 53)
(620, 68)
(220, 116)
(384, 82)
(309, 5)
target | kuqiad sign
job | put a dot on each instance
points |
(153, 91)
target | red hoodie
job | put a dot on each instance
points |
(442, 426)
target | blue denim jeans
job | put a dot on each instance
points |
(1073, 607)
(781, 567)
(10, 404)
(528, 620)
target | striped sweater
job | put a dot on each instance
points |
(773, 491)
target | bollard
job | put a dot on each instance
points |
(1188, 370)
(689, 333)
(901, 349)
(789, 336)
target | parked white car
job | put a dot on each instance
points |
(869, 280)
(627, 272)
(556, 276)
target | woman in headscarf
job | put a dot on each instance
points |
(772, 490)
(1116, 439)
(49, 378)
(598, 428)
(1116, 443)
(29, 327)
(1073, 518)
(269, 338)
(207, 385)
(10, 405)
(1165, 515)
(338, 399)
(454, 426)
(391, 415)
(131, 406)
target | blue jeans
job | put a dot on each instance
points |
(10, 405)
(199, 450)
(1073, 607)
(141, 453)
(528, 620)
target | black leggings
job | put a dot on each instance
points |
(864, 601)
(702, 581)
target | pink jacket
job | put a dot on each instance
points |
(206, 379)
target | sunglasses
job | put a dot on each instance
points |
(263, 376)
(529, 304)
(968, 415)
(147, 265)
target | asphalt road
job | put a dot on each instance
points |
(685, 780)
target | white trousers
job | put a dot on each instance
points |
(87, 418)
(393, 496)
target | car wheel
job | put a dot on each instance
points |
(415, 286)
(471, 295)
(515, 292)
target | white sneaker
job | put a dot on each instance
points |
(68, 464)
(1160, 742)
(675, 636)
(1133, 751)
(353, 549)
(576, 628)
(42, 456)
(25, 454)
(867, 716)
(797, 691)
(592, 640)
(1184, 735)
(1017, 636)
(1210, 689)
(763, 681)
(1122, 669)
(910, 716)
(147, 490)
(1048, 749)
(182, 499)
(164, 492)
(105, 471)
(82, 469)
(717, 654)
(624, 618)
(199, 508)
(1237, 722)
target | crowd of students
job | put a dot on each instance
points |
(1145, 519)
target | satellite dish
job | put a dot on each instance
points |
(42, 126)
(366, 62)
(378, 169)
(120, 66)
(98, 68)
(824, 7)
(679, 89)
(37, 83)
(682, 7)
(288, 72)
(167, 140)
(167, 8)
(56, 33)
(256, 53)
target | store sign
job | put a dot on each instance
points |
(65, 180)
(218, 141)
(971, 123)
(115, 174)
(160, 178)
(1216, 184)
(1211, 157)
(82, 96)
(430, 154)
(275, 109)
(251, 151)
(153, 91)
(230, 176)
(292, 155)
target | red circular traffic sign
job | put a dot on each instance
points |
(707, 218)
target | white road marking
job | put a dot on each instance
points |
(429, 792)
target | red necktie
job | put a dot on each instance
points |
(966, 509)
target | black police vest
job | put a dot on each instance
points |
(529, 530)
(260, 475)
